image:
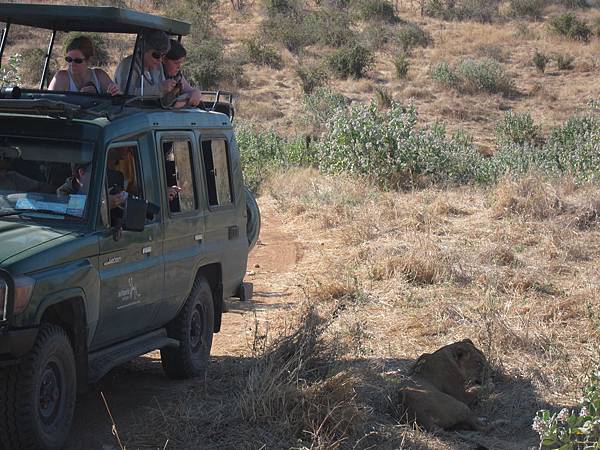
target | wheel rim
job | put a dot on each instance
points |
(196, 330)
(50, 393)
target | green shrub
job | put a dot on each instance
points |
(376, 10)
(540, 60)
(411, 35)
(329, 27)
(290, 31)
(445, 75)
(9, 73)
(204, 64)
(472, 76)
(262, 151)
(478, 10)
(517, 128)
(564, 61)
(260, 53)
(32, 66)
(573, 429)
(574, 3)
(321, 104)
(350, 60)
(569, 26)
(401, 63)
(376, 35)
(387, 147)
(527, 8)
(282, 7)
(311, 77)
(383, 97)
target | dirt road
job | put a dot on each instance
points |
(139, 386)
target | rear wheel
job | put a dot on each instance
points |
(193, 327)
(37, 397)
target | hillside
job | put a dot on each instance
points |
(273, 97)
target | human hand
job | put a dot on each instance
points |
(172, 192)
(89, 89)
(195, 98)
(167, 86)
(116, 200)
(113, 88)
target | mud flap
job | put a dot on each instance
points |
(245, 292)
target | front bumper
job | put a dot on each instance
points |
(15, 343)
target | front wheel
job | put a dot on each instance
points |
(193, 328)
(37, 397)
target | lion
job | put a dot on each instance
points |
(443, 385)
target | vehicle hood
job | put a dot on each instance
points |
(18, 237)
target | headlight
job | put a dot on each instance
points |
(23, 290)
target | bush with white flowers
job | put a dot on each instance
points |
(573, 429)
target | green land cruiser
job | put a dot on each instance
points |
(86, 285)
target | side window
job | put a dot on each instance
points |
(123, 178)
(218, 177)
(179, 175)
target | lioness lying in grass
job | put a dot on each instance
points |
(441, 387)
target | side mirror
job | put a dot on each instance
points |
(134, 214)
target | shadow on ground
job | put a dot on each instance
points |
(145, 404)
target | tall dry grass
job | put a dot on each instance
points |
(511, 267)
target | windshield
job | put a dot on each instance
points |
(43, 178)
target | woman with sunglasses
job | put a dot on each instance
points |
(79, 77)
(151, 81)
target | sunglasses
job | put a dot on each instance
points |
(74, 60)
(157, 55)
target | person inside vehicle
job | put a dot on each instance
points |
(79, 76)
(79, 183)
(172, 62)
(13, 181)
(152, 82)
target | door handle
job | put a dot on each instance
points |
(146, 250)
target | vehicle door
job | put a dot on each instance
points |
(184, 218)
(225, 234)
(131, 262)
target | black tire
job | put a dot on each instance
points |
(37, 397)
(252, 219)
(193, 327)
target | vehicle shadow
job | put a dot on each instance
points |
(141, 398)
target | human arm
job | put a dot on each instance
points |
(60, 81)
(106, 83)
(194, 96)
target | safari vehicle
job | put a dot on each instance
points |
(83, 286)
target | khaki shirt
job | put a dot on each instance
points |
(147, 85)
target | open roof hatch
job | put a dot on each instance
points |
(68, 18)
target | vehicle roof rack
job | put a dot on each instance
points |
(105, 19)
(219, 101)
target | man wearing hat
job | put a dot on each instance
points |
(150, 82)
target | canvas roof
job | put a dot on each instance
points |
(105, 19)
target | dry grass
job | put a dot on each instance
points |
(511, 268)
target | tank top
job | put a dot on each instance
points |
(73, 87)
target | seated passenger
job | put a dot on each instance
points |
(11, 180)
(79, 77)
(154, 45)
(172, 63)
(78, 183)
